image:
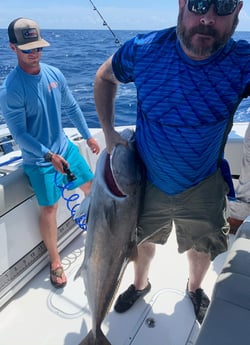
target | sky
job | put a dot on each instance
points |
(119, 14)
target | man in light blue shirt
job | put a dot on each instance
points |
(32, 98)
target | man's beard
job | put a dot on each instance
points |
(185, 37)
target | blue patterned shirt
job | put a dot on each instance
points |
(185, 107)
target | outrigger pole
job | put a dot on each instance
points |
(117, 41)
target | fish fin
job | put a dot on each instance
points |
(83, 207)
(78, 273)
(100, 339)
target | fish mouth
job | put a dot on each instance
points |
(109, 178)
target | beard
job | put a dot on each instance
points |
(203, 49)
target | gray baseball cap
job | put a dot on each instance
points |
(25, 34)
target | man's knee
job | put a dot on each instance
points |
(147, 249)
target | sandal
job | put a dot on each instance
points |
(55, 275)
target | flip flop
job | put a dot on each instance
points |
(55, 274)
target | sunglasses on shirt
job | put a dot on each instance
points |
(29, 51)
(221, 7)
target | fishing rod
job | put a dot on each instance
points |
(117, 41)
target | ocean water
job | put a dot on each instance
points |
(78, 54)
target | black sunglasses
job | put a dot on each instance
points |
(221, 7)
(29, 51)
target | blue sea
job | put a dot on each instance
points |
(78, 54)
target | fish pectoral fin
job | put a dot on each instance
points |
(78, 273)
(83, 207)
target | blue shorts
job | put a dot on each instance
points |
(46, 182)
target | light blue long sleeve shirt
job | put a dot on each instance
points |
(32, 107)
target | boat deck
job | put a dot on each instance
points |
(43, 315)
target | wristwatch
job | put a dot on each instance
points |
(48, 156)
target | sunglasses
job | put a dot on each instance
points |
(29, 51)
(221, 7)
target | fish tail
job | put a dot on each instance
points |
(100, 339)
(88, 340)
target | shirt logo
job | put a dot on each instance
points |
(52, 85)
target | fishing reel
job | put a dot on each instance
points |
(70, 176)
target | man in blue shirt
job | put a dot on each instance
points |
(189, 80)
(32, 98)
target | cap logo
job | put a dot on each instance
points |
(30, 34)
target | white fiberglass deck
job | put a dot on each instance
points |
(41, 315)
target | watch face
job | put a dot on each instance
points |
(48, 157)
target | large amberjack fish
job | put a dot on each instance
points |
(112, 214)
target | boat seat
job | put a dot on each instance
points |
(227, 318)
(14, 189)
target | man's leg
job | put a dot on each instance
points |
(141, 286)
(199, 263)
(86, 187)
(48, 229)
(146, 252)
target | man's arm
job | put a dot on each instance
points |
(105, 90)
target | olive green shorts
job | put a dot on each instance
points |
(197, 213)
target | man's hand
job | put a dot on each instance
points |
(112, 139)
(59, 163)
(93, 145)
